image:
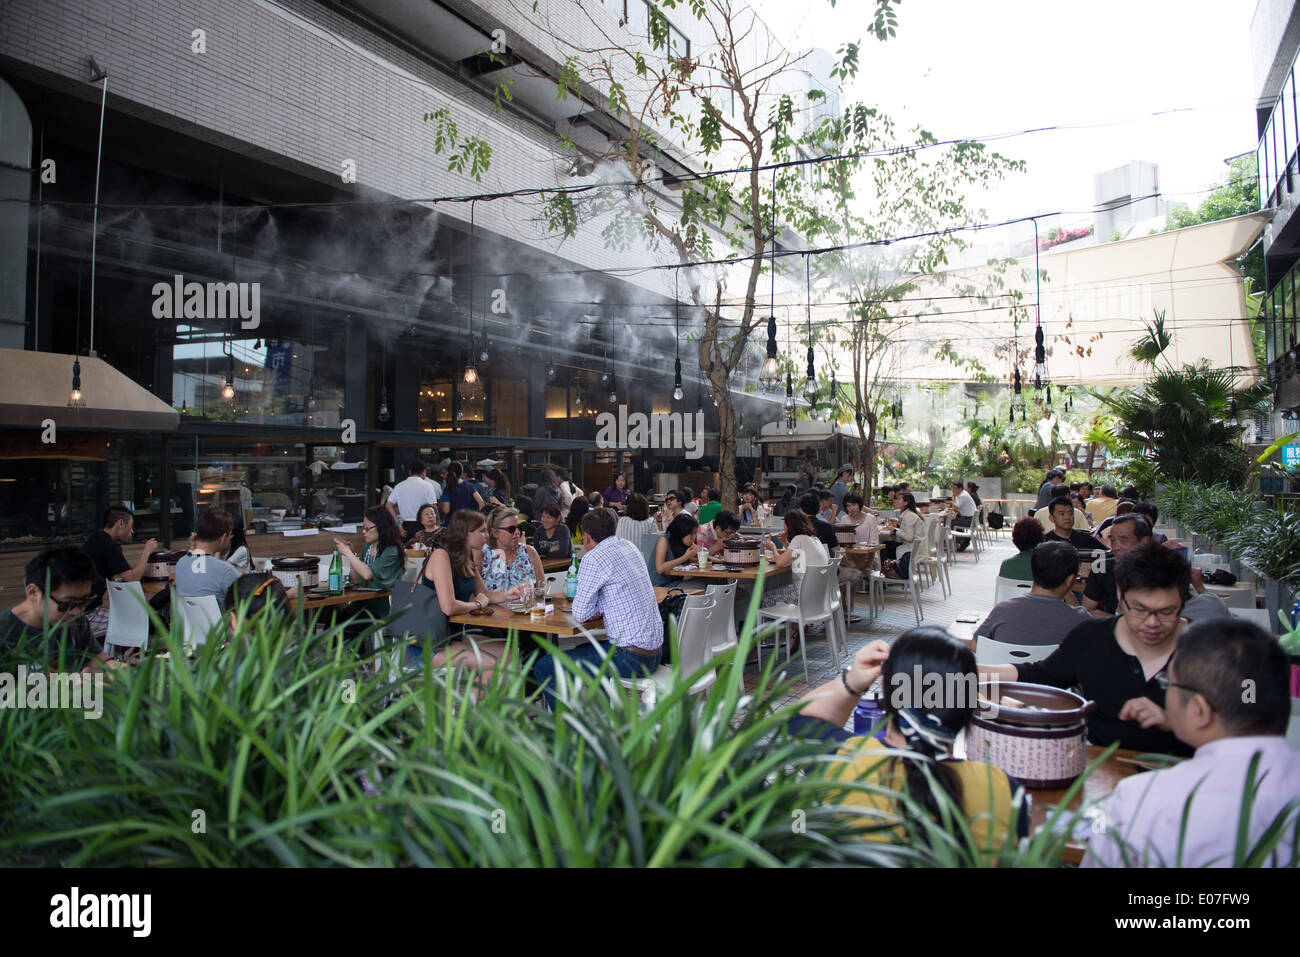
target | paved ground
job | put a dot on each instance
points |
(972, 590)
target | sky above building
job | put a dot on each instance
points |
(1167, 81)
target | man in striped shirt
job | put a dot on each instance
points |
(613, 582)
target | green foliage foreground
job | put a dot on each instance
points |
(273, 751)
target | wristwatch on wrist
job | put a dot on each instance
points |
(844, 679)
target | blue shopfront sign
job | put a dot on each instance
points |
(1291, 456)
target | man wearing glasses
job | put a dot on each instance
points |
(47, 626)
(1143, 820)
(1120, 662)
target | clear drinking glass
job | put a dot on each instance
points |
(537, 610)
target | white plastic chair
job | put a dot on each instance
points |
(931, 556)
(724, 635)
(1010, 588)
(1235, 598)
(1258, 616)
(198, 617)
(911, 585)
(970, 535)
(816, 603)
(128, 617)
(991, 652)
(1293, 726)
(695, 630)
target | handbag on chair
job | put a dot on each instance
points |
(415, 612)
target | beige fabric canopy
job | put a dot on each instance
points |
(34, 386)
(1094, 301)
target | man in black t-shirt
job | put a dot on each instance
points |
(105, 549)
(47, 628)
(1062, 512)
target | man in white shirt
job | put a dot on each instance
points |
(1228, 698)
(965, 512)
(408, 495)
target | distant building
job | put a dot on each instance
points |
(1126, 197)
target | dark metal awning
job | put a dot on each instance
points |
(35, 386)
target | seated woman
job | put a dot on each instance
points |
(748, 513)
(430, 526)
(379, 565)
(239, 554)
(789, 499)
(991, 801)
(506, 561)
(712, 536)
(579, 507)
(910, 528)
(1026, 535)
(553, 539)
(868, 529)
(452, 572)
(616, 495)
(804, 550)
(675, 547)
(639, 528)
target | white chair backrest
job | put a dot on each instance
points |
(921, 547)
(1010, 588)
(1259, 616)
(934, 531)
(817, 591)
(1237, 598)
(555, 582)
(128, 616)
(694, 637)
(1293, 726)
(990, 652)
(724, 596)
(198, 615)
(411, 570)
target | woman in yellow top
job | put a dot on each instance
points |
(928, 692)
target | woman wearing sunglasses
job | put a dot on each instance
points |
(506, 560)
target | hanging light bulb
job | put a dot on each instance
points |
(789, 425)
(75, 400)
(471, 373)
(770, 375)
(1232, 414)
(788, 405)
(1049, 395)
(1017, 381)
(677, 380)
(550, 370)
(604, 377)
(311, 399)
(577, 396)
(613, 390)
(384, 414)
(228, 393)
(483, 355)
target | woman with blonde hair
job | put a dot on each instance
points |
(506, 560)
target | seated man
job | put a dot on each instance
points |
(1101, 596)
(202, 571)
(826, 509)
(1025, 535)
(47, 627)
(1188, 816)
(105, 550)
(613, 581)
(1062, 515)
(713, 536)
(1049, 612)
(965, 505)
(1120, 663)
(1103, 506)
(710, 510)
(1149, 511)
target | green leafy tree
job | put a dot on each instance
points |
(1179, 425)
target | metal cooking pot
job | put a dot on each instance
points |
(1042, 748)
(162, 565)
(300, 570)
(740, 551)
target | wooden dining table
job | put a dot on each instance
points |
(559, 622)
(313, 601)
(556, 564)
(1098, 785)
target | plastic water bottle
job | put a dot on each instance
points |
(571, 580)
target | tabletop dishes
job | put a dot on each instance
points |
(162, 565)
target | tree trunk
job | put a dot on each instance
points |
(726, 438)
